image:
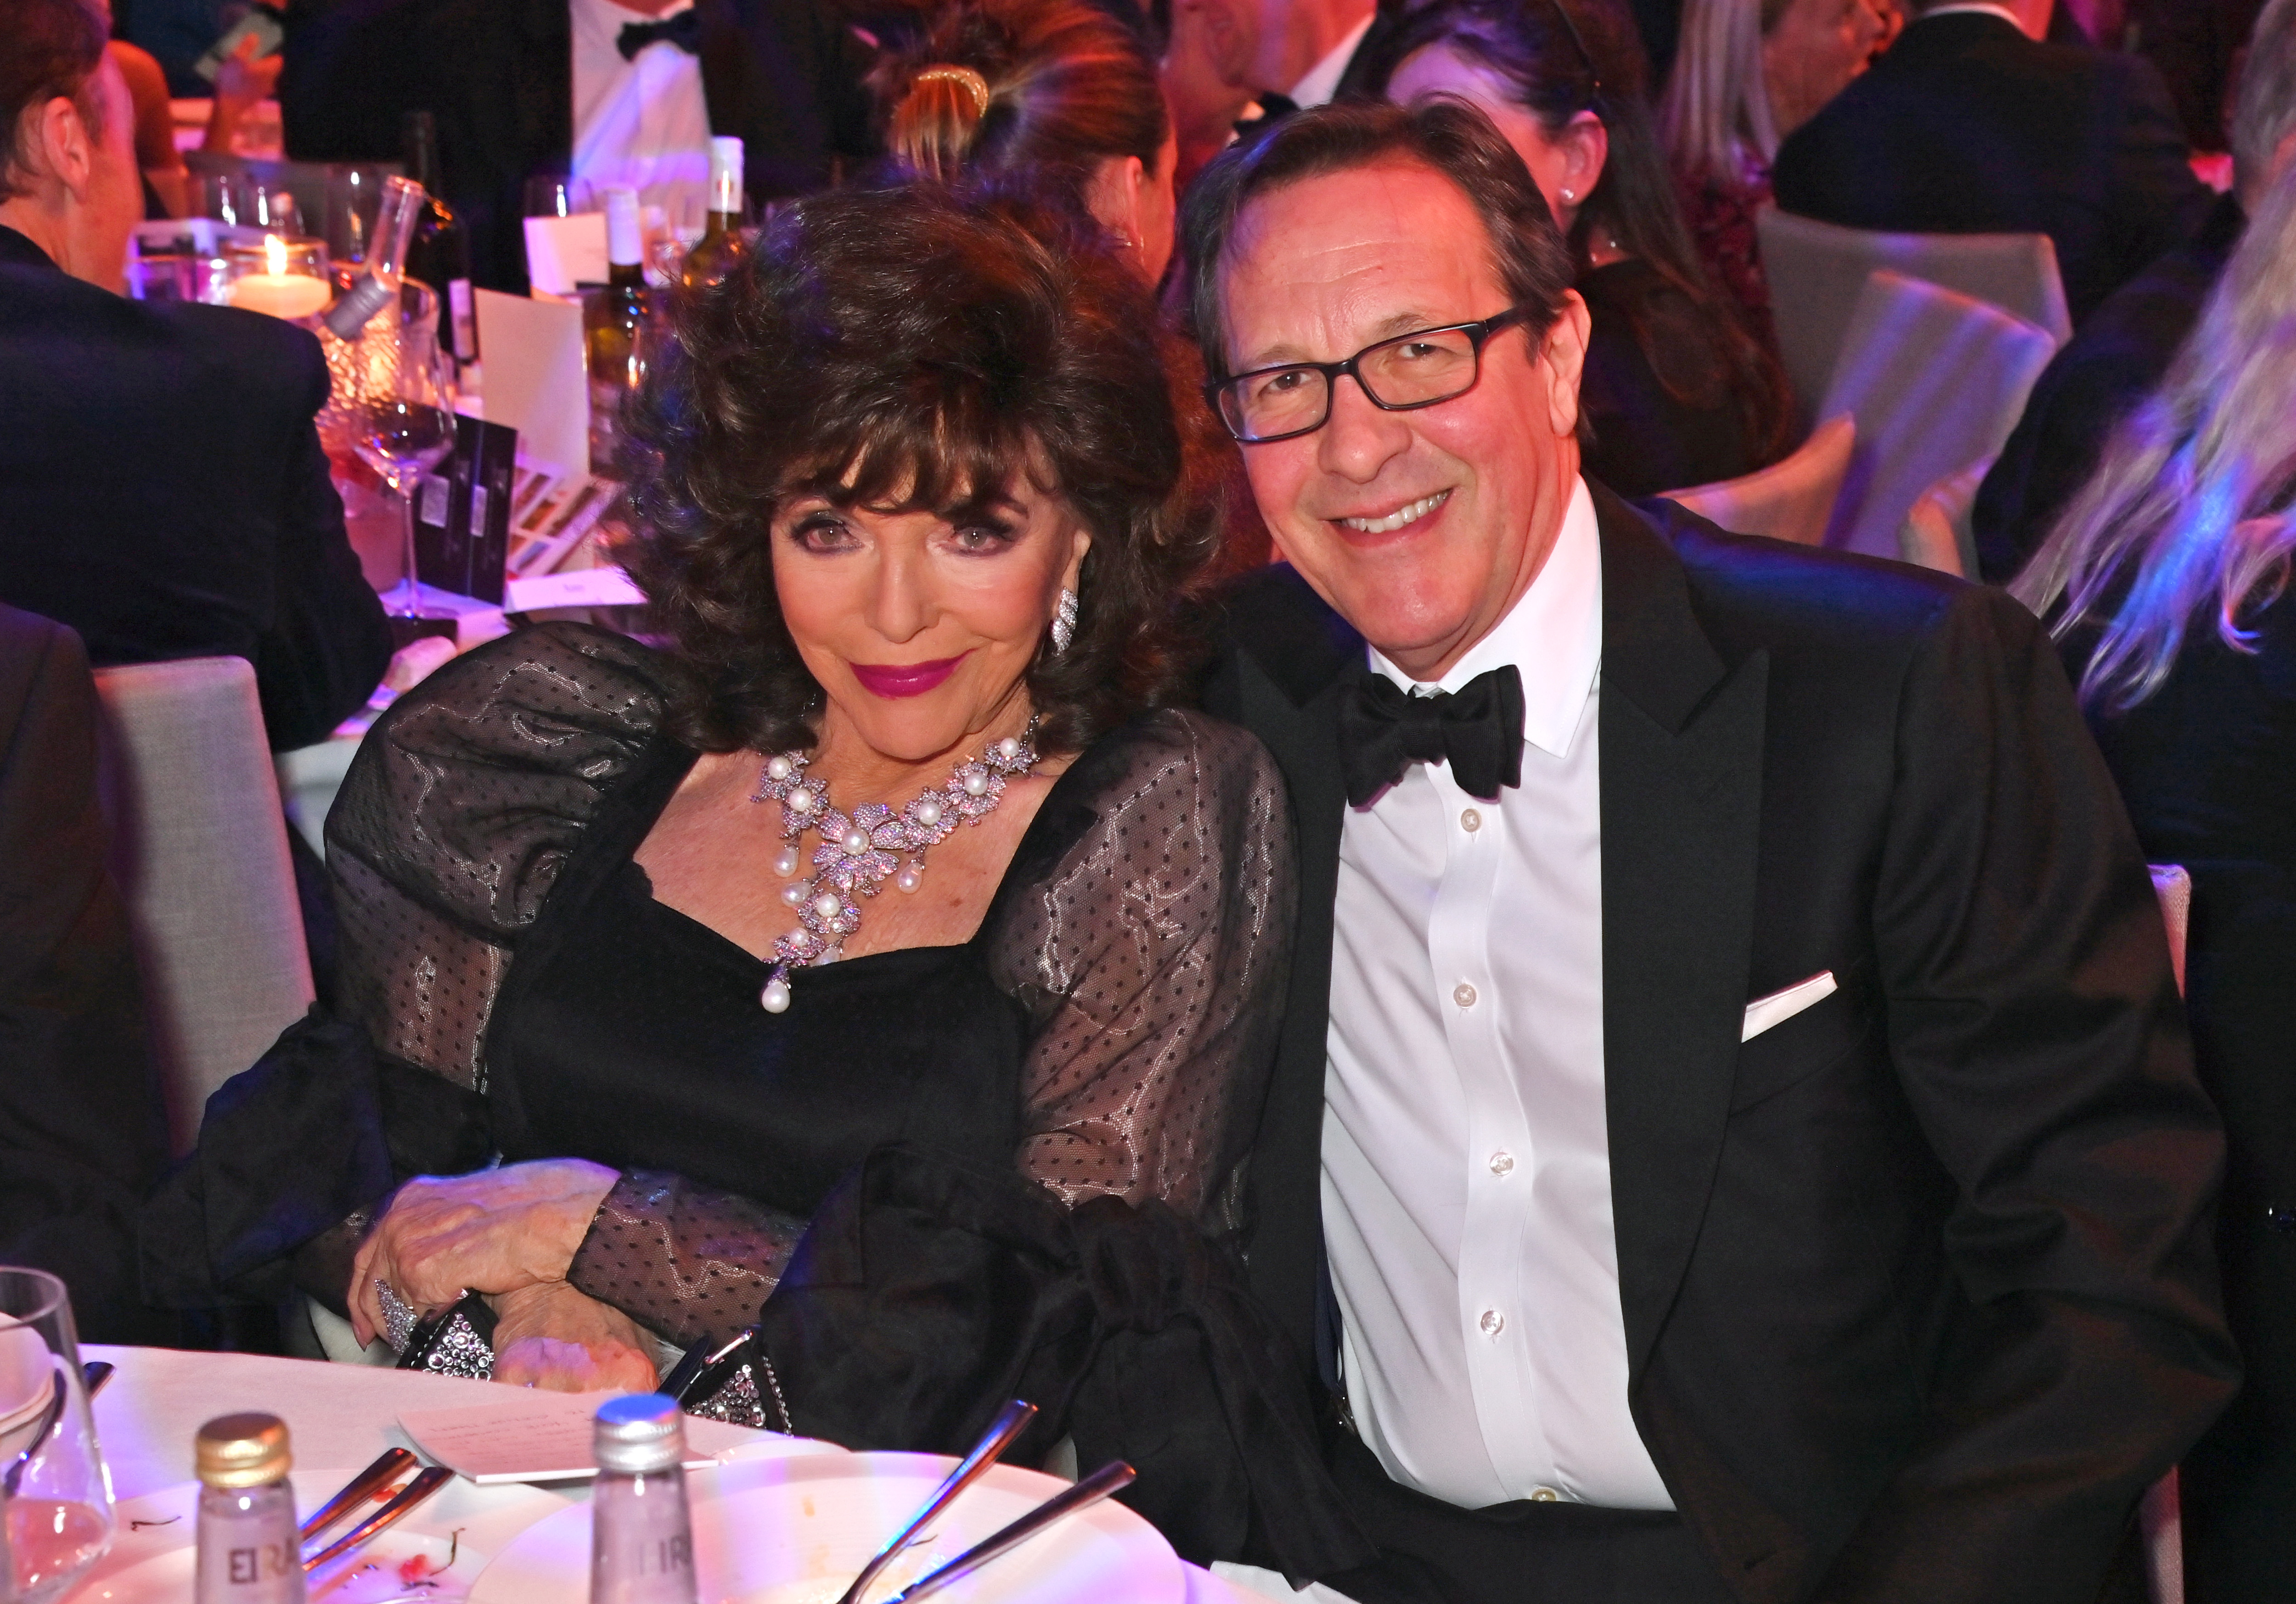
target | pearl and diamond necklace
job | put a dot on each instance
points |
(859, 853)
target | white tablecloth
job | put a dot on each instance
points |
(339, 1417)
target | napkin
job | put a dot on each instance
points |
(545, 1436)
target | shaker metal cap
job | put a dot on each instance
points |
(639, 1434)
(237, 1451)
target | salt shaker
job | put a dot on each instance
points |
(250, 1551)
(641, 1539)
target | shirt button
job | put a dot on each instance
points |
(1502, 1163)
(1464, 994)
(1493, 1322)
(1544, 1495)
(1470, 820)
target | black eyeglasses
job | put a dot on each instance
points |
(1402, 374)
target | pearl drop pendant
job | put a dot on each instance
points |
(775, 997)
(908, 878)
(785, 864)
(794, 894)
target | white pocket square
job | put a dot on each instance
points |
(1780, 1006)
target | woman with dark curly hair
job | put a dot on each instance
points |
(890, 899)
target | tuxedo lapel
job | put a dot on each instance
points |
(1290, 667)
(1682, 735)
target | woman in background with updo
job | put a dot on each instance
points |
(1675, 391)
(1054, 94)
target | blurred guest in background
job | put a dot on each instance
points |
(162, 490)
(1748, 73)
(1970, 123)
(2120, 352)
(2166, 581)
(2196, 45)
(1677, 392)
(83, 1135)
(1054, 93)
(607, 91)
(1249, 60)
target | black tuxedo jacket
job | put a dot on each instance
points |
(163, 492)
(1968, 126)
(1917, 1284)
(499, 75)
(83, 1135)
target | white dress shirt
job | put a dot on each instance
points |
(1323, 79)
(1466, 1168)
(643, 122)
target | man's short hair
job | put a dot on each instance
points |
(1448, 136)
(47, 48)
(2264, 100)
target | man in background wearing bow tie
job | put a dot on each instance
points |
(606, 91)
(1733, 1136)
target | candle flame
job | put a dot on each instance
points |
(274, 254)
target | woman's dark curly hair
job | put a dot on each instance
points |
(913, 349)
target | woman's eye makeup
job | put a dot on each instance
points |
(821, 530)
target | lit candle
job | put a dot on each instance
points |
(276, 290)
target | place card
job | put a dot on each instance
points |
(545, 1436)
(564, 252)
(536, 381)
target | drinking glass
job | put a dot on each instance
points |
(56, 1500)
(404, 427)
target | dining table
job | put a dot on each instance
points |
(338, 1418)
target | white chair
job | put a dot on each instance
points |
(1816, 271)
(200, 847)
(1937, 532)
(1790, 500)
(1936, 381)
(2160, 1517)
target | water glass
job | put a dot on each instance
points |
(56, 1500)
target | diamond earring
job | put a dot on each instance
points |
(1064, 618)
(1567, 195)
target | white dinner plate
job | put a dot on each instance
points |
(764, 1529)
(154, 1550)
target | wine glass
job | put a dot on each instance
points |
(406, 425)
(56, 1500)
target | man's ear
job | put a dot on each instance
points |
(66, 145)
(1562, 357)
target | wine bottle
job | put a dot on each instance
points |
(386, 260)
(439, 254)
(721, 244)
(617, 323)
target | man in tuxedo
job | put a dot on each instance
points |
(606, 91)
(1733, 1136)
(1235, 63)
(1972, 124)
(2121, 353)
(162, 488)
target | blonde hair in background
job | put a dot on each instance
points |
(2189, 508)
(1716, 108)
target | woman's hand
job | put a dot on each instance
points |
(497, 1230)
(556, 1339)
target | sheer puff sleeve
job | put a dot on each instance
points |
(1152, 957)
(455, 817)
(451, 826)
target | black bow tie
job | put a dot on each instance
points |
(1478, 730)
(682, 30)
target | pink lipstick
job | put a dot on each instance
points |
(904, 679)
